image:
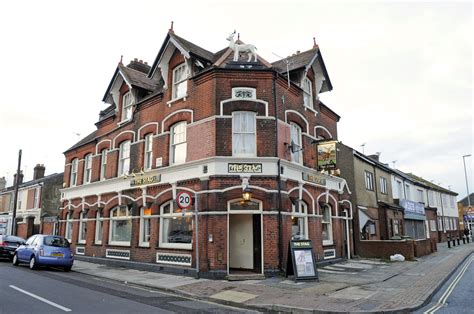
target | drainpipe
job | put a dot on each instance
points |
(346, 214)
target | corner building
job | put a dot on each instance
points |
(238, 136)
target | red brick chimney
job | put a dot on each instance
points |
(20, 179)
(38, 172)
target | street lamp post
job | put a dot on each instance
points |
(467, 186)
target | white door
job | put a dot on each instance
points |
(241, 241)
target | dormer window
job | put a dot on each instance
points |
(127, 106)
(180, 84)
(308, 93)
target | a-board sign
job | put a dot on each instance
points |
(301, 260)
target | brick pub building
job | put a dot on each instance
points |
(239, 136)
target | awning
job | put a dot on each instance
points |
(364, 217)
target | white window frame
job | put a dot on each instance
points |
(73, 176)
(401, 195)
(180, 82)
(148, 152)
(99, 228)
(142, 236)
(124, 161)
(407, 191)
(383, 185)
(127, 106)
(253, 148)
(103, 163)
(113, 220)
(307, 92)
(87, 168)
(174, 144)
(419, 196)
(163, 216)
(296, 137)
(82, 234)
(329, 223)
(369, 180)
(69, 227)
(301, 213)
(37, 197)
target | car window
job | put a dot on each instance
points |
(56, 241)
(36, 241)
(30, 240)
(13, 239)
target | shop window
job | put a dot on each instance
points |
(99, 225)
(127, 106)
(120, 226)
(180, 84)
(176, 227)
(308, 93)
(383, 185)
(299, 221)
(369, 180)
(145, 223)
(103, 163)
(124, 158)
(68, 233)
(73, 178)
(178, 143)
(87, 168)
(82, 228)
(297, 155)
(327, 225)
(148, 158)
(244, 134)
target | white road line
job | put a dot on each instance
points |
(449, 290)
(65, 309)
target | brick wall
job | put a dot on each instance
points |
(383, 249)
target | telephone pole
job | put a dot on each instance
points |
(15, 200)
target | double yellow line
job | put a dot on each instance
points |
(442, 300)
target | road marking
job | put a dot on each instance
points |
(65, 309)
(442, 300)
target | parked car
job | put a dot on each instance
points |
(8, 245)
(45, 250)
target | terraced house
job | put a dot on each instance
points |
(236, 133)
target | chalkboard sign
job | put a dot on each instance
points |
(301, 261)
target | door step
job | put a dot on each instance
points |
(241, 277)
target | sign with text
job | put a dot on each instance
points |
(327, 155)
(303, 262)
(184, 199)
(142, 180)
(411, 207)
(244, 168)
(314, 178)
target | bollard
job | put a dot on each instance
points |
(449, 243)
(454, 242)
(458, 241)
(467, 237)
(463, 240)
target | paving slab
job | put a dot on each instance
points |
(233, 296)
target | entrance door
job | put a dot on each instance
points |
(241, 241)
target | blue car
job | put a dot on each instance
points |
(45, 250)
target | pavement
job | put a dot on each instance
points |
(356, 285)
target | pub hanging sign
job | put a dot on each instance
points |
(327, 155)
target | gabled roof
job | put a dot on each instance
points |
(430, 184)
(33, 182)
(464, 200)
(89, 138)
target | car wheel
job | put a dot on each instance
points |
(33, 263)
(67, 268)
(15, 260)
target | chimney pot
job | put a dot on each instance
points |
(297, 52)
(141, 61)
(38, 172)
(135, 59)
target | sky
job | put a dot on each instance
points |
(402, 72)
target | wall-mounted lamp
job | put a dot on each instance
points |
(247, 194)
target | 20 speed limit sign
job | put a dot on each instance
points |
(184, 200)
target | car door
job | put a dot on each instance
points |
(24, 251)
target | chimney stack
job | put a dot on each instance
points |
(38, 172)
(20, 179)
(3, 183)
(375, 156)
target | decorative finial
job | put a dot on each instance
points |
(121, 59)
(314, 42)
(171, 28)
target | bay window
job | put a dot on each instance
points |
(68, 232)
(82, 228)
(299, 221)
(99, 224)
(297, 155)
(180, 84)
(244, 134)
(178, 143)
(124, 158)
(145, 223)
(120, 230)
(176, 229)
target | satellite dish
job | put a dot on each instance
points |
(294, 147)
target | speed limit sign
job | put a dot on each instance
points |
(184, 200)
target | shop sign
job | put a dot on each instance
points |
(301, 260)
(244, 168)
(411, 207)
(314, 178)
(145, 180)
(327, 155)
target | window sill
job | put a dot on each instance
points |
(328, 243)
(310, 109)
(169, 103)
(98, 243)
(81, 242)
(176, 247)
(124, 122)
(124, 244)
(144, 245)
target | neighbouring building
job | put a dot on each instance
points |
(38, 200)
(237, 135)
(466, 212)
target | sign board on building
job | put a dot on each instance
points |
(327, 155)
(142, 180)
(244, 168)
(301, 260)
(314, 178)
(411, 207)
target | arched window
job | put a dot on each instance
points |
(124, 158)
(73, 178)
(87, 168)
(145, 226)
(308, 92)
(82, 228)
(148, 158)
(296, 139)
(120, 230)
(99, 223)
(103, 163)
(68, 232)
(178, 147)
(176, 229)
(244, 134)
(327, 224)
(299, 221)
